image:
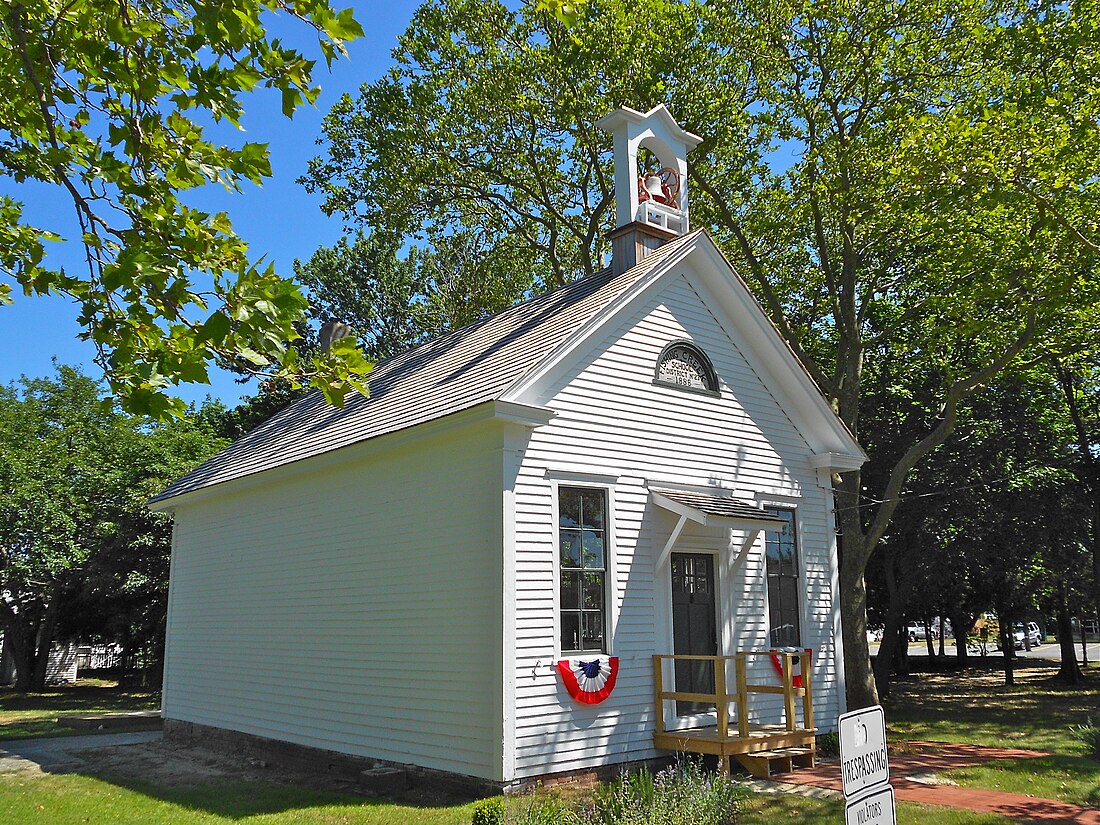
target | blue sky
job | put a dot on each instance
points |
(279, 220)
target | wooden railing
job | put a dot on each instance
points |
(742, 688)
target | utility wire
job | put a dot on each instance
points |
(872, 501)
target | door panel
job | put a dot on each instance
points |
(694, 626)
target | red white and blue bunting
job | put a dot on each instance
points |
(796, 664)
(589, 681)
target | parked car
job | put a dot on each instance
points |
(916, 630)
(1033, 635)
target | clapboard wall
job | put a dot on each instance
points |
(355, 607)
(616, 429)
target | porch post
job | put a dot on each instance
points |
(658, 689)
(742, 697)
(722, 704)
(788, 692)
(807, 691)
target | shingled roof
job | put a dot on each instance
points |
(720, 506)
(467, 367)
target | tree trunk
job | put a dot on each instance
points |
(961, 631)
(943, 635)
(44, 642)
(1008, 648)
(1068, 671)
(929, 642)
(895, 619)
(1084, 642)
(21, 638)
(854, 554)
(887, 652)
(860, 682)
(22, 651)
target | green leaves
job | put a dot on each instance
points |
(484, 126)
(569, 13)
(76, 475)
(215, 328)
(101, 105)
(395, 301)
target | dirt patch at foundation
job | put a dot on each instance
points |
(167, 763)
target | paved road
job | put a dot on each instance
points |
(57, 753)
(1052, 652)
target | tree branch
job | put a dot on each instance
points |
(775, 306)
(955, 394)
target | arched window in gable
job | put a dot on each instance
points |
(686, 367)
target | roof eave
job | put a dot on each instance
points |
(510, 412)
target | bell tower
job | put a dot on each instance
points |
(651, 198)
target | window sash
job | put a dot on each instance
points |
(784, 608)
(582, 568)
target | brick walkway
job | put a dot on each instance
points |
(937, 757)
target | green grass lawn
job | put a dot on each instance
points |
(768, 809)
(23, 716)
(1036, 713)
(971, 707)
(77, 800)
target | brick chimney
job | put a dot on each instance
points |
(651, 204)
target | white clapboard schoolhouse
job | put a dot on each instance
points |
(495, 566)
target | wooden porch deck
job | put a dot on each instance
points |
(761, 748)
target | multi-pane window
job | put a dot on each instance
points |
(782, 559)
(582, 550)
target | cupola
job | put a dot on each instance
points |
(651, 181)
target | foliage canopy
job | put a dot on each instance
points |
(110, 101)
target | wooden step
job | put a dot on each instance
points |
(765, 764)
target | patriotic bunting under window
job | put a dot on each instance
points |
(589, 680)
(796, 664)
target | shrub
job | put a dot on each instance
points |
(489, 812)
(684, 794)
(1088, 735)
(545, 809)
(828, 744)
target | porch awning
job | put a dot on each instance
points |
(705, 509)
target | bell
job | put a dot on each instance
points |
(654, 188)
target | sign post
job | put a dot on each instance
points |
(865, 768)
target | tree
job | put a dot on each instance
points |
(997, 519)
(394, 303)
(105, 101)
(485, 123)
(75, 474)
(830, 174)
(1078, 378)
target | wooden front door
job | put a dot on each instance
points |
(694, 626)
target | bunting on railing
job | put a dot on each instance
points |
(796, 663)
(589, 681)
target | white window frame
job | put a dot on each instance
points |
(590, 481)
(785, 503)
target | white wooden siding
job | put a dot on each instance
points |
(613, 420)
(357, 609)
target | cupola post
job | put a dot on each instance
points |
(651, 199)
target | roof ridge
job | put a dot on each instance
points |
(467, 328)
(584, 279)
